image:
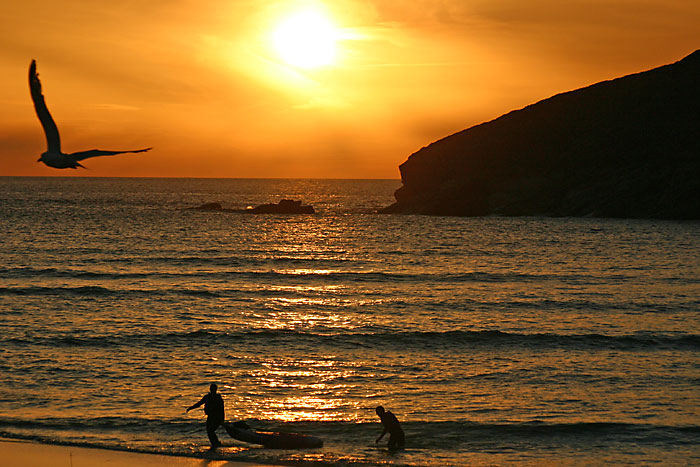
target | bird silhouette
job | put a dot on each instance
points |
(53, 157)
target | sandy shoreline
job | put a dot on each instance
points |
(18, 453)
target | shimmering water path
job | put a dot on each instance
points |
(496, 341)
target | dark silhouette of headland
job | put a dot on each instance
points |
(625, 148)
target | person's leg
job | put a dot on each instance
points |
(396, 440)
(212, 425)
(401, 440)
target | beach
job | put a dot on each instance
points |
(27, 454)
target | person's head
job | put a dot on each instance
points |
(213, 388)
(380, 410)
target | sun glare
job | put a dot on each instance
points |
(306, 39)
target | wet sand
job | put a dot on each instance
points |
(28, 454)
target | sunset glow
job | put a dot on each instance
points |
(306, 39)
(303, 88)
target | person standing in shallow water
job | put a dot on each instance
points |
(392, 426)
(214, 408)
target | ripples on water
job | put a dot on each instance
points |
(496, 341)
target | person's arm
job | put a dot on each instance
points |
(194, 406)
(381, 436)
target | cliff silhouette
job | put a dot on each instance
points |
(625, 148)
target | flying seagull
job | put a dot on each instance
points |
(53, 157)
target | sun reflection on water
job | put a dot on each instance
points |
(294, 390)
(288, 316)
(303, 408)
(304, 272)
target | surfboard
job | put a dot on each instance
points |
(271, 439)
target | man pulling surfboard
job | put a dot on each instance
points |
(214, 408)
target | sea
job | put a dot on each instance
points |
(495, 341)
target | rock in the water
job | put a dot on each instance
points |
(208, 207)
(286, 206)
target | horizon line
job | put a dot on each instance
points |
(196, 178)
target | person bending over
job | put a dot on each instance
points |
(391, 426)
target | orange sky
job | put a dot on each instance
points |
(201, 83)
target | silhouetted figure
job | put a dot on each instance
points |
(392, 426)
(53, 157)
(214, 408)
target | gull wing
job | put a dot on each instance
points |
(79, 156)
(53, 140)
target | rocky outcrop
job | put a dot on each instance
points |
(208, 207)
(285, 206)
(629, 147)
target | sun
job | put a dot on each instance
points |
(306, 39)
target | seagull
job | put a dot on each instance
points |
(53, 157)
